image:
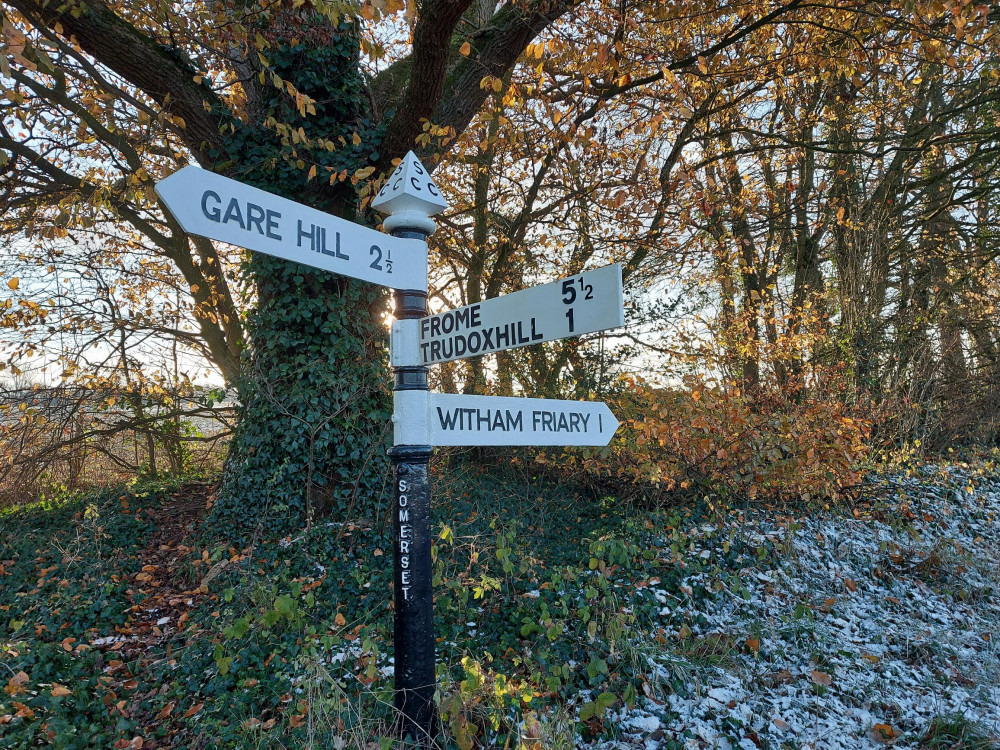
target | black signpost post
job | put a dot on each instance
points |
(409, 197)
(413, 626)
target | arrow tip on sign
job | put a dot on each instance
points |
(174, 188)
(409, 197)
(613, 423)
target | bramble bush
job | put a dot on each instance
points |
(706, 438)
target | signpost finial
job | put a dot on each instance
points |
(410, 197)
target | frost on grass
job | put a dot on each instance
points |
(863, 631)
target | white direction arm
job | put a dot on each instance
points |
(219, 208)
(423, 418)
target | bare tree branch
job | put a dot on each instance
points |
(165, 76)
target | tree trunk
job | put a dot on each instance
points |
(315, 390)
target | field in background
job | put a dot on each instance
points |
(58, 439)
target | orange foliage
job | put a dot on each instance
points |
(707, 437)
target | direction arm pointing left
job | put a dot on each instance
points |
(213, 206)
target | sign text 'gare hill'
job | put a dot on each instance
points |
(267, 222)
(219, 208)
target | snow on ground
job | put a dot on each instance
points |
(857, 634)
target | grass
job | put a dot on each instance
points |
(112, 631)
(957, 732)
(711, 650)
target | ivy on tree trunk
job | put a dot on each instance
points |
(314, 389)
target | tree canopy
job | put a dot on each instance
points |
(809, 184)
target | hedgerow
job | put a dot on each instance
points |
(707, 439)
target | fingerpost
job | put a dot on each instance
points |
(585, 303)
(410, 197)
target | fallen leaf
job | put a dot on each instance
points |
(784, 676)
(821, 678)
(465, 49)
(60, 690)
(753, 644)
(167, 710)
(340, 621)
(23, 711)
(193, 710)
(15, 685)
(780, 723)
(882, 732)
(850, 585)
